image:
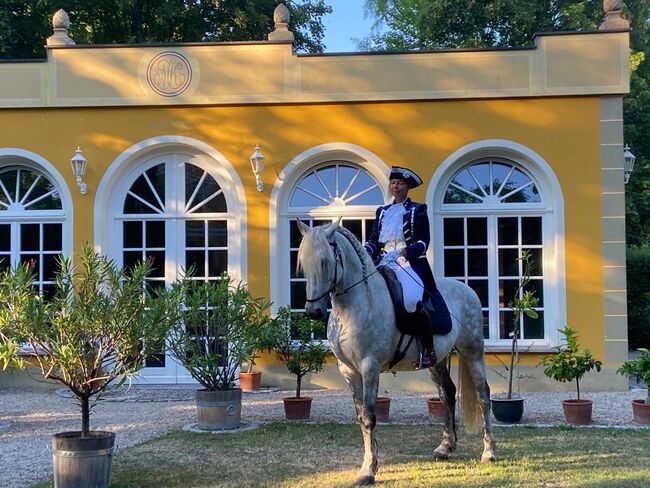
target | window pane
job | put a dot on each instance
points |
(157, 177)
(131, 258)
(508, 263)
(5, 237)
(9, 180)
(157, 261)
(155, 233)
(454, 233)
(534, 328)
(368, 224)
(132, 231)
(298, 294)
(353, 226)
(217, 233)
(293, 256)
(507, 289)
(194, 233)
(5, 262)
(508, 229)
(215, 205)
(30, 237)
(294, 234)
(477, 231)
(531, 230)
(217, 263)
(33, 261)
(477, 262)
(499, 174)
(52, 237)
(538, 287)
(195, 259)
(454, 262)
(481, 289)
(50, 266)
(505, 324)
(536, 260)
(486, 324)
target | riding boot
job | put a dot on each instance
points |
(427, 358)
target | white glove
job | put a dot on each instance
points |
(392, 256)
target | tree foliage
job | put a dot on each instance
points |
(25, 25)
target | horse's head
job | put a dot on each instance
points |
(317, 258)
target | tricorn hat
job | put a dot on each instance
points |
(412, 180)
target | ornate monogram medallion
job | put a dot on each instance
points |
(169, 74)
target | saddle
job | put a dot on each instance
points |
(434, 319)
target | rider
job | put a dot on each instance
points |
(399, 239)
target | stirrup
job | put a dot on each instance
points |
(424, 361)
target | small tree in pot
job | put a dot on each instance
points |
(95, 330)
(523, 303)
(639, 368)
(211, 342)
(302, 354)
(571, 363)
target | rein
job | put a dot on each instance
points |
(332, 290)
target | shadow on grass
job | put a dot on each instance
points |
(328, 455)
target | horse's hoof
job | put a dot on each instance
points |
(440, 456)
(364, 480)
(488, 457)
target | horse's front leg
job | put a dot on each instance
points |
(447, 392)
(364, 392)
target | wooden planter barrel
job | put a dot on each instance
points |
(218, 410)
(82, 462)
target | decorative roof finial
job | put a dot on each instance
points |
(281, 19)
(61, 24)
(613, 19)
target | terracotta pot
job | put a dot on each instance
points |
(577, 411)
(436, 410)
(250, 381)
(382, 409)
(508, 410)
(641, 411)
(297, 408)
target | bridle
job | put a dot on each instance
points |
(338, 259)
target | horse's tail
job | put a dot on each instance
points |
(469, 405)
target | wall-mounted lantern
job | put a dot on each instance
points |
(257, 165)
(79, 164)
(629, 163)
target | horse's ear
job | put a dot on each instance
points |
(332, 227)
(302, 227)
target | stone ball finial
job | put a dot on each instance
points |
(61, 20)
(611, 5)
(613, 18)
(281, 14)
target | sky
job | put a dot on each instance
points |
(345, 22)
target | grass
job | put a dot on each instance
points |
(285, 454)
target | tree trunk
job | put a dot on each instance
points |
(85, 416)
(578, 387)
(298, 381)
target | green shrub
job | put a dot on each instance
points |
(638, 296)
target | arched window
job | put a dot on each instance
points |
(32, 223)
(179, 209)
(327, 183)
(488, 212)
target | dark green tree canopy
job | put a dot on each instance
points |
(26, 24)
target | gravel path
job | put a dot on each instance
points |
(28, 418)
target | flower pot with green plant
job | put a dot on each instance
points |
(510, 408)
(302, 354)
(95, 330)
(639, 368)
(211, 343)
(261, 334)
(570, 363)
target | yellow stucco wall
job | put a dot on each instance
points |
(564, 131)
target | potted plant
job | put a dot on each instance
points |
(211, 343)
(639, 368)
(261, 334)
(96, 329)
(511, 408)
(301, 354)
(570, 363)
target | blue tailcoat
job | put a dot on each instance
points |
(416, 235)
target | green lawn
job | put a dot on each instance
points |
(328, 455)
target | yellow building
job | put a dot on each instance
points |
(519, 149)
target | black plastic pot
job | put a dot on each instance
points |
(507, 410)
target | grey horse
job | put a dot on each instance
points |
(363, 336)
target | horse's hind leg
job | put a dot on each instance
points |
(476, 369)
(447, 391)
(364, 393)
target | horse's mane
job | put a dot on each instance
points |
(315, 249)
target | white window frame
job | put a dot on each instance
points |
(551, 209)
(109, 211)
(21, 158)
(280, 214)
